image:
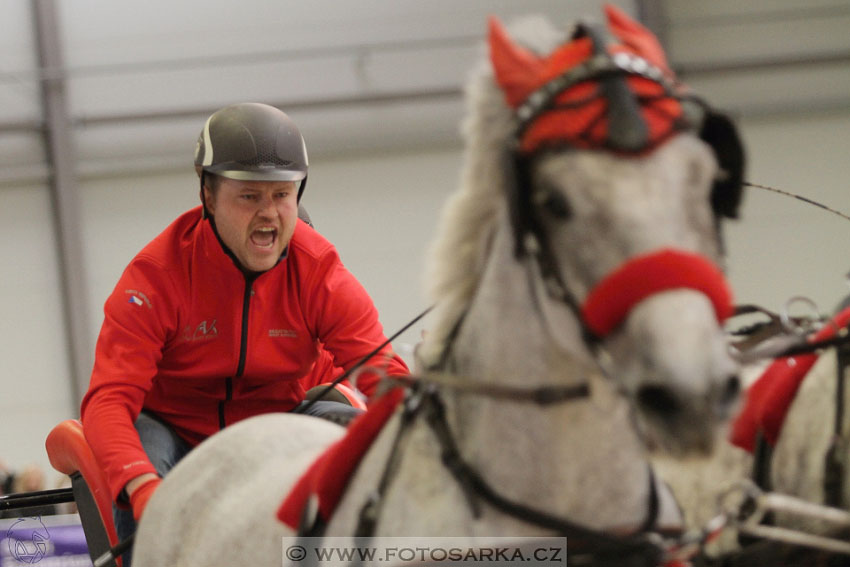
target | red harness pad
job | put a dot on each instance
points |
(328, 476)
(769, 398)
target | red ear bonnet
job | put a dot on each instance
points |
(636, 38)
(517, 69)
(578, 114)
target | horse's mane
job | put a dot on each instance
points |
(457, 255)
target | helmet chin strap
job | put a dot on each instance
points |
(204, 213)
(301, 186)
(207, 216)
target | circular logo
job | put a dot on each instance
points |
(28, 540)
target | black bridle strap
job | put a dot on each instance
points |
(541, 395)
(555, 284)
(369, 513)
(540, 253)
(838, 341)
(476, 487)
(446, 352)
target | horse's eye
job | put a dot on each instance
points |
(554, 203)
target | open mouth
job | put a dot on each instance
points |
(264, 237)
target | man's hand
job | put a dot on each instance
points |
(140, 490)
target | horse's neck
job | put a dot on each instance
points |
(581, 459)
(798, 458)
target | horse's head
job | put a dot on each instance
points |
(617, 182)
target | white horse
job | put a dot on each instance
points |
(815, 430)
(535, 410)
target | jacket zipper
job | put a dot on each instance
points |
(243, 351)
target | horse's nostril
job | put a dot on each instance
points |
(658, 400)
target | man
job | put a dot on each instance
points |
(236, 309)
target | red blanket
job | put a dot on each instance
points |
(769, 398)
(328, 476)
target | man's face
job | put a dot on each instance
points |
(255, 219)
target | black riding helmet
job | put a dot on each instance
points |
(254, 142)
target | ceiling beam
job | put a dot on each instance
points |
(59, 150)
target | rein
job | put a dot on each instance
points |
(541, 395)
(798, 197)
(360, 363)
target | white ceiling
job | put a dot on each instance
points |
(359, 75)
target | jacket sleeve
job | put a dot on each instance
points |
(139, 318)
(346, 321)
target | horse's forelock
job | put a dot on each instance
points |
(457, 255)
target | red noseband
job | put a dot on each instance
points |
(610, 302)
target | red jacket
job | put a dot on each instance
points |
(188, 337)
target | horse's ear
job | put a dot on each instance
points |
(636, 36)
(515, 67)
